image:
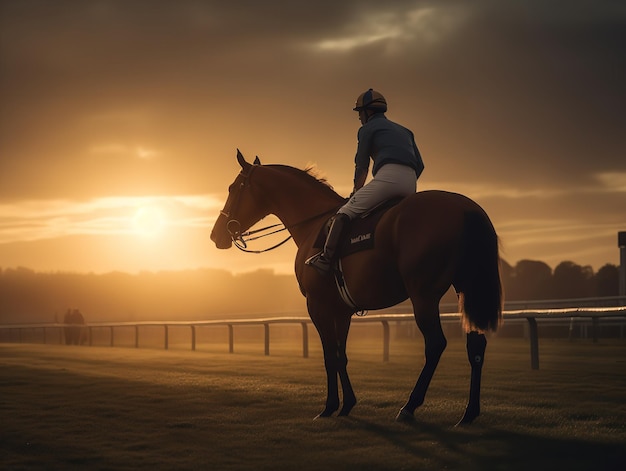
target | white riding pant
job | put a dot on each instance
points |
(390, 181)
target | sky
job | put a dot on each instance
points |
(120, 120)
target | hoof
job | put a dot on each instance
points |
(405, 416)
(324, 414)
(347, 407)
(467, 419)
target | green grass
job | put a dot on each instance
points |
(120, 408)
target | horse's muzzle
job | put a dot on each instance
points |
(222, 240)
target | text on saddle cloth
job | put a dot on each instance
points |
(360, 233)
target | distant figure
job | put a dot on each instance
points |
(74, 334)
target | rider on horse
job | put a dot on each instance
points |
(397, 166)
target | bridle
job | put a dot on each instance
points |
(241, 239)
(233, 226)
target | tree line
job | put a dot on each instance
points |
(29, 296)
(535, 280)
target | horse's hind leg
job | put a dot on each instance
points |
(476, 345)
(427, 318)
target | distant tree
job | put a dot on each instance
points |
(28, 296)
(571, 280)
(507, 275)
(606, 281)
(532, 280)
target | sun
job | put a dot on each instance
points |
(148, 221)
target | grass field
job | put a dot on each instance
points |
(120, 408)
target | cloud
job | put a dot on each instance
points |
(138, 151)
(396, 27)
(612, 181)
(48, 219)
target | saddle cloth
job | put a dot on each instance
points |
(360, 233)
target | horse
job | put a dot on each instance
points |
(429, 241)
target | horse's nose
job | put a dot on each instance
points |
(221, 240)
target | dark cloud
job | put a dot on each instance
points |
(530, 92)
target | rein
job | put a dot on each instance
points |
(242, 245)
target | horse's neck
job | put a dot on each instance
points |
(300, 202)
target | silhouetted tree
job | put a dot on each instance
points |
(532, 280)
(571, 280)
(606, 281)
(507, 275)
(29, 296)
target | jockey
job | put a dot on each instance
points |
(397, 166)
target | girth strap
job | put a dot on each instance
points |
(344, 292)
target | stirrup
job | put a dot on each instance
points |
(319, 262)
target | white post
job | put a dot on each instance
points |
(621, 242)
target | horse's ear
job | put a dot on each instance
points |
(257, 161)
(242, 160)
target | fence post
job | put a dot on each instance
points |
(112, 336)
(193, 338)
(90, 336)
(534, 343)
(267, 338)
(305, 340)
(136, 336)
(167, 340)
(595, 328)
(385, 341)
(231, 339)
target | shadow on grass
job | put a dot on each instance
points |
(127, 409)
(494, 448)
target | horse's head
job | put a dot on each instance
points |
(243, 207)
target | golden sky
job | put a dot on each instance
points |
(119, 120)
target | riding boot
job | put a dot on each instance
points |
(323, 261)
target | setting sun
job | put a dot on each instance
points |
(148, 221)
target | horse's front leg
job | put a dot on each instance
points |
(476, 345)
(325, 326)
(349, 398)
(332, 324)
(332, 387)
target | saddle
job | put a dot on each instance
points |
(359, 236)
(360, 233)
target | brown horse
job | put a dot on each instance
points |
(423, 245)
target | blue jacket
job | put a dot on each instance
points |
(386, 142)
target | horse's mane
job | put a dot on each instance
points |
(313, 172)
(310, 173)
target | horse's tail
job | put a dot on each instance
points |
(479, 284)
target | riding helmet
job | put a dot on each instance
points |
(371, 100)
